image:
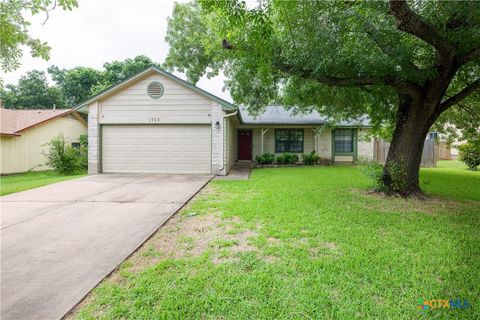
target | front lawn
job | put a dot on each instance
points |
(303, 243)
(29, 180)
(451, 180)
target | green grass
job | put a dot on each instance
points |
(451, 180)
(29, 180)
(452, 164)
(323, 249)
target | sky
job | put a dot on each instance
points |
(100, 31)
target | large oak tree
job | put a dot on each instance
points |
(402, 63)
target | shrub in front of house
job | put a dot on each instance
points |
(83, 152)
(62, 157)
(470, 154)
(287, 159)
(374, 172)
(310, 158)
(266, 158)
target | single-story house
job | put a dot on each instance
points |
(24, 134)
(155, 122)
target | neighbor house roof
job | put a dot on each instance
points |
(225, 104)
(13, 122)
(276, 115)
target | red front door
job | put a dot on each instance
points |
(244, 144)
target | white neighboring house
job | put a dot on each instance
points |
(155, 122)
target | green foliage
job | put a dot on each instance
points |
(77, 83)
(470, 154)
(83, 152)
(72, 86)
(117, 71)
(14, 33)
(287, 159)
(266, 158)
(310, 158)
(396, 177)
(374, 172)
(191, 43)
(32, 91)
(288, 52)
(62, 157)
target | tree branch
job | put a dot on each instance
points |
(409, 22)
(387, 49)
(464, 93)
(469, 56)
(357, 81)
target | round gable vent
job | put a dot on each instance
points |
(155, 90)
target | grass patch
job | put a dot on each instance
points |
(451, 164)
(29, 180)
(451, 180)
(304, 243)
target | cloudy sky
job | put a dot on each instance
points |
(105, 30)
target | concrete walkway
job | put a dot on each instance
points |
(59, 241)
(238, 172)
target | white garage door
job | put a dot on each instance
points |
(156, 148)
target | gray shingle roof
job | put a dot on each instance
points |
(278, 115)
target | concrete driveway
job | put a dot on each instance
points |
(59, 241)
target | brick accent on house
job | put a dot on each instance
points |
(364, 145)
(93, 139)
(218, 166)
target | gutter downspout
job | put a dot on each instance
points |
(223, 149)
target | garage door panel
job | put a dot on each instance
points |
(156, 148)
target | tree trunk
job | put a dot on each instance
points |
(401, 171)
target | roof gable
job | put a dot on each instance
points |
(153, 69)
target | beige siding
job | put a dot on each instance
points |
(365, 145)
(23, 153)
(324, 143)
(256, 144)
(231, 145)
(343, 159)
(178, 105)
(269, 141)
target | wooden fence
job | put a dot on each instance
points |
(444, 152)
(430, 153)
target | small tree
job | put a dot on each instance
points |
(470, 154)
(61, 156)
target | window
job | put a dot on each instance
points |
(432, 135)
(289, 140)
(75, 145)
(344, 140)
